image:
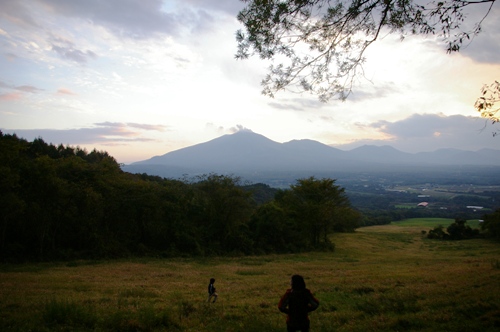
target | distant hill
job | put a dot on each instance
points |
(246, 152)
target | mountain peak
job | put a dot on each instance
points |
(246, 151)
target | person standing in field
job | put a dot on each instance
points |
(211, 291)
(297, 302)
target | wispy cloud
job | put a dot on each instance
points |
(16, 92)
(17, 13)
(23, 88)
(147, 126)
(65, 91)
(102, 133)
(11, 96)
(298, 104)
(132, 125)
(135, 19)
(229, 6)
(73, 54)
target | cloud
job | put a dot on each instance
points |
(4, 85)
(132, 125)
(22, 88)
(429, 132)
(64, 91)
(11, 56)
(230, 7)
(102, 133)
(147, 126)
(73, 54)
(10, 96)
(27, 88)
(137, 19)
(16, 12)
(426, 125)
(16, 92)
(286, 106)
(134, 19)
(213, 127)
(298, 104)
(484, 47)
(239, 128)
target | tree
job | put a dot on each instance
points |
(491, 225)
(318, 207)
(321, 43)
(460, 230)
(273, 231)
(489, 102)
(225, 211)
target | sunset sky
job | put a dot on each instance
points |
(140, 78)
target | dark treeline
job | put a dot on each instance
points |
(60, 202)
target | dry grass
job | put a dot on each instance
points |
(381, 278)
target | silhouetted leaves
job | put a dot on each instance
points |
(319, 45)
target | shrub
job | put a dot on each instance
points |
(437, 233)
(456, 231)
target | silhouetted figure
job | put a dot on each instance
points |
(211, 291)
(297, 303)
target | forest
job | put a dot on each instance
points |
(63, 203)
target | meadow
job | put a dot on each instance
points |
(379, 278)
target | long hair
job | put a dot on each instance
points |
(212, 280)
(298, 282)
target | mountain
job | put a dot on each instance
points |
(460, 157)
(382, 154)
(247, 152)
(241, 150)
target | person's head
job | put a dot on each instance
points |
(212, 280)
(298, 282)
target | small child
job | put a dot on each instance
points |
(211, 291)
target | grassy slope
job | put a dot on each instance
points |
(381, 278)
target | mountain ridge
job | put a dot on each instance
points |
(246, 151)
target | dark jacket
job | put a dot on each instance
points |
(297, 304)
(211, 289)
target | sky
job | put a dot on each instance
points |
(140, 78)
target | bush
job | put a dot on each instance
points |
(437, 233)
(456, 231)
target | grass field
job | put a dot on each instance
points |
(430, 223)
(380, 278)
